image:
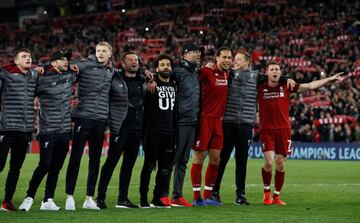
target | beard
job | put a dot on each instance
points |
(62, 68)
(165, 74)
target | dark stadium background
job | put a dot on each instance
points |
(312, 39)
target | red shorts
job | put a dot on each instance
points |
(278, 140)
(210, 134)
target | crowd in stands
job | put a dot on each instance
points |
(312, 40)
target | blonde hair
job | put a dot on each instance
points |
(105, 44)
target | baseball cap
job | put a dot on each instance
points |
(58, 55)
(191, 47)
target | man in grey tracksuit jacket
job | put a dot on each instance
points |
(91, 115)
(18, 85)
(54, 91)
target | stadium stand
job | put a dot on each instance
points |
(312, 39)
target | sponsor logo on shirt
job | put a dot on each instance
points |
(221, 82)
(270, 95)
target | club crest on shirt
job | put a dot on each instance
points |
(198, 143)
(282, 92)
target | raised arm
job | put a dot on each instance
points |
(319, 83)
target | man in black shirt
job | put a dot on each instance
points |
(159, 135)
(127, 140)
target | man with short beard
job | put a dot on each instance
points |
(54, 91)
(185, 74)
(213, 95)
(128, 138)
(18, 85)
(159, 125)
(91, 115)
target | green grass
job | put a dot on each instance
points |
(315, 191)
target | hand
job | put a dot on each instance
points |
(74, 102)
(39, 70)
(290, 84)
(151, 86)
(75, 68)
(339, 77)
(149, 75)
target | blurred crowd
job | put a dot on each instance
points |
(312, 40)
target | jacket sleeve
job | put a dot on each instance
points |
(82, 64)
(1, 78)
(262, 78)
(284, 78)
(40, 86)
(146, 117)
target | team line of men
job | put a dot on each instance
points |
(211, 110)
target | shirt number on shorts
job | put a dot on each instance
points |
(289, 146)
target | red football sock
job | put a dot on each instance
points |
(196, 179)
(210, 179)
(279, 181)
(266, 176)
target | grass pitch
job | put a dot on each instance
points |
(315, 191)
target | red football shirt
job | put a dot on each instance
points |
(213, 84)
(274, 105)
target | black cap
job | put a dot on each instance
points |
(58, 55)
(191, 47)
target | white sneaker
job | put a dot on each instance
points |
(70, 204)
(49, 205)
(26, 204)
(89, 203)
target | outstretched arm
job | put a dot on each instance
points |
(319, 83)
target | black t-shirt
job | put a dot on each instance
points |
(133, 119)
(160, 108)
